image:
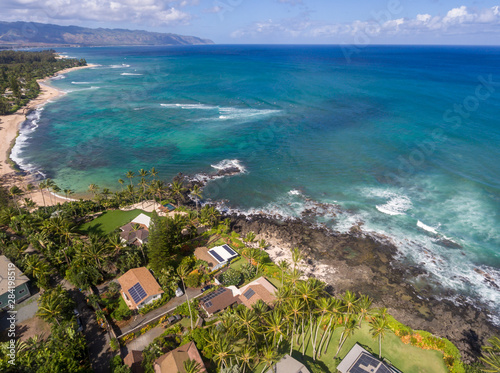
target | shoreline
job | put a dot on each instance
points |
(367, 264)
(10, 173)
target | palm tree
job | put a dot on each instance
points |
(364, 304)
(131, 192)
(296, 257)
(105, 192)
(269, 357)
(294, 307)
(378, 327)
(283, 266)
(323, 307)
(49, 184)
(196, 192)
(50, 306)
(350, 326)
(15, 192)
(192, 366)
(121, 183)
(41, 186)
(93, 189)
(222, 351)
(177, 189)
(247, 319)
(246, 355)
(183, 272)
(130, 175)
(350, 302)
(153, 173)
(274, 326)
(491, 356)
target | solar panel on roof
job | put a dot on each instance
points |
(216, 256)
(249, 293)
(229, 250)
(137, 293)
(367, 364)
(208, 304)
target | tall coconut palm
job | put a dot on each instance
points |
(297, 257)
(295, 309)
(196, 192)
(247, 320)
(93, 189)
(153, 173)
(350, 302)
(131, 192)
(283, 265)
(130, 175)
(378, 327)
(274, 327)
(269, 356)
(246, 355)
(15, 192)
(49, 184)
(222, 351)
(182, 272)
(364, 304)
(323, 305)
(51, 306)
(491, 356)
(105, 192)
(349, 328)
(41, 187)
(177, 189)
(334, 313)
(121, 181)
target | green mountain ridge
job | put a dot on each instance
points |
(41, 34)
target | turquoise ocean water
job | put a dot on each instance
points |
(403, 139)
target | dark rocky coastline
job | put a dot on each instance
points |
(366, 264)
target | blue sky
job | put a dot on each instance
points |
(280, 21)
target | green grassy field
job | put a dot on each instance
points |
(407, 358)
(111, 220)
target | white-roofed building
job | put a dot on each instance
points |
(222, 255)
(142, 220)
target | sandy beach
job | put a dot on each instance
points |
(9, 126)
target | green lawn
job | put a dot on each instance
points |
(407, 358)
(111, 220)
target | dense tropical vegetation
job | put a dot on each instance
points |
(19, 72)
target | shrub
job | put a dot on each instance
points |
(248, 271)
(231, 277)
(193, 280)
(157, 303)
(114, 344)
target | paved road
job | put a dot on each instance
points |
(141, 320)
(97, 339)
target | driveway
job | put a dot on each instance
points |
(25, 311)
(141, 320)
(141, 342)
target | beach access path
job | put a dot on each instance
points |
(9, 126)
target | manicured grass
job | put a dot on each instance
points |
(237, 264)
(407, 358)
(111, 220)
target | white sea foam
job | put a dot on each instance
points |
(25, 132)
(130, 74)
(190, 106)
(295, 192)
(228, 164)
(58, 77)
(82, 89)
(426, 227)
(82, 82)
(119, 66)
(397, 205)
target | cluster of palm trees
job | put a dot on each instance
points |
(304, 316)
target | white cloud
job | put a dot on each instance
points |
(458, 20)
(150, 12)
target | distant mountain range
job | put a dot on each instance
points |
(21, 34)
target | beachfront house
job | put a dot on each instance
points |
(216, 257)
(259, 289)
(139, 287)
(137, 231)
(358, 360)
(14, 293)
(173, 361)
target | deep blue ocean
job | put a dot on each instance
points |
(402, 138)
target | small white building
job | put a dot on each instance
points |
(222, 255)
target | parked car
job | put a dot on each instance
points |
(205, 288)
(179, 292)
(79, 322)
(173, 319)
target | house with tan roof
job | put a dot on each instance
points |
(259, 289)
(218, 300)
(134, 361)
(139, 288)
(173, 361)
(17, 290)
